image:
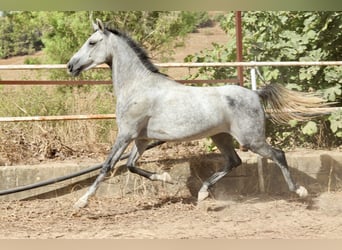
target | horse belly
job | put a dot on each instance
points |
(186, 120)
(183, 132)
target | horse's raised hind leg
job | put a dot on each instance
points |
(224, 143)
(137, 150)
(118, 148)
(278, 156)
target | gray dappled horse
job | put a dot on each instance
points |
(151, 106)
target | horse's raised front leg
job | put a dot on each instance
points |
(118, 148)
(137, 150)
(224, 143)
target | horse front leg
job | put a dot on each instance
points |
(117, 150)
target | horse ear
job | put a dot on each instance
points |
(100, 25)
(95, 26)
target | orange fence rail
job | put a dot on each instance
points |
(160, 65)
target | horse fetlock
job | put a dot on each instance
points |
(203, 193)
(302, 192)
(164, 177)
(81, 203)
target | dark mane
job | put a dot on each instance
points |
(140, 52)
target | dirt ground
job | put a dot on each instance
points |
(257, 217)
(174, 216)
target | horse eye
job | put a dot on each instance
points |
(92, 43)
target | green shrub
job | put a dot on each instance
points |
(20, 34)
(292, 36)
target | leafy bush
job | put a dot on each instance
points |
(19, 34)
(65, 32)
(62, 32)
(289, 36)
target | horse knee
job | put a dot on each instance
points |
(131, 168)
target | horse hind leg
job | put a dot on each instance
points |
(225, 144)
(278, 156)
(138, 149)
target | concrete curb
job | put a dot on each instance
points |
(318, 171)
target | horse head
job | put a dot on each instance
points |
(92, 53)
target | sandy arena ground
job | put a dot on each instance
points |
(136, 217)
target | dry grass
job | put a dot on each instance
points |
(46, 140)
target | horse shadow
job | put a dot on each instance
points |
(190, 172)
(244, 180)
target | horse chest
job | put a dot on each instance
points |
(132, 109)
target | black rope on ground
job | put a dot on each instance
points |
(66, 177)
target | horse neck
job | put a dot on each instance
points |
(127, 69)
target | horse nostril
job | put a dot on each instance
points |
(69, 66)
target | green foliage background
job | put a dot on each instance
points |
(288, 36)
(19, 34)
(23, 32)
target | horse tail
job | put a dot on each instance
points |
(284, 105)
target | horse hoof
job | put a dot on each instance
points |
(202, 195)
(302, 192)
(81, 203)
(165, 177)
